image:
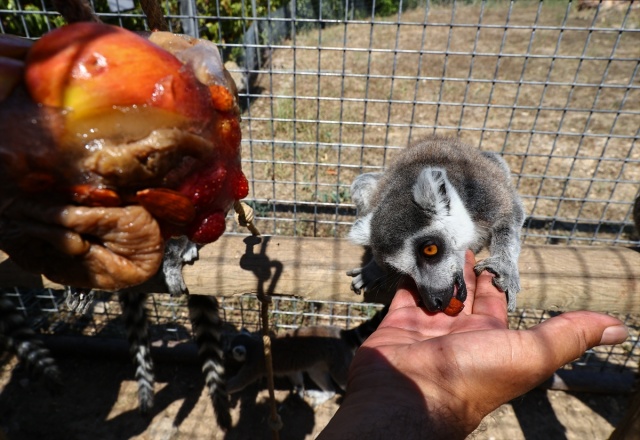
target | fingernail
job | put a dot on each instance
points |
(614, 335)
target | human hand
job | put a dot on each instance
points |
(425, 375)
(94, 247)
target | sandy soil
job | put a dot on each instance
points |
(100, 401)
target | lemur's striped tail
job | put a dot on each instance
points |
(17, 336)
(207, 329)
(136, 323)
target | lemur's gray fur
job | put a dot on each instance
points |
(17, 336)
(178, 252)
(439, 192)
(204, 316)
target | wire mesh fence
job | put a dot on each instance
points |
(331, 89)
(169, 321)
(550, 88)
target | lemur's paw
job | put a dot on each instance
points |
(178, 252)
(79, 300)
(507, 277)
(174, 280)
(367, 277)
(190, 253)
(357, 283)
(318, 397)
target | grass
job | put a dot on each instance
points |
(341, 100)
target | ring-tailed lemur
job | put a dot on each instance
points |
(438, 199)
(206, 325)
(207, 330)
(323, 352)
(136, 324)
(17, 336)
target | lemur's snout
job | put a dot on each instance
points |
(438, 300)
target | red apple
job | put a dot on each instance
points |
(97, 71)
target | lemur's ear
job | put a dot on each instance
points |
(362, 188)
(431, 190)
(361, 231)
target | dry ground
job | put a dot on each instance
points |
(99, 403)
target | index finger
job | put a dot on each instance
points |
(489, 300)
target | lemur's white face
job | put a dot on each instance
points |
(433, 256)
(431, 233)
(451, 229)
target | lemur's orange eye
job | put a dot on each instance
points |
(430, 250)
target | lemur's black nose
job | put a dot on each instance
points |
(436, 301)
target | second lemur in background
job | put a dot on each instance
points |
(323, 352)
(438, 199)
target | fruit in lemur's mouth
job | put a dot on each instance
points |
(94, 115)
(455, 306)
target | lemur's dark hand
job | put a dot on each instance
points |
(506, 276)
(366, 277)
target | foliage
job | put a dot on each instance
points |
(389, 7)
(223, 21)
(226, 21)
(27, 19)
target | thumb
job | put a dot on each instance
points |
(566, 337)
(535, 354)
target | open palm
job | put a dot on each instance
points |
(443, 374)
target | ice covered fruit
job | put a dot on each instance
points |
(96, 116)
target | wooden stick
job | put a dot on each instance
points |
(598, 278)
(155, 16)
